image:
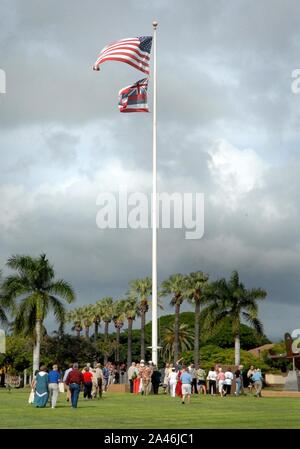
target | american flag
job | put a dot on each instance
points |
(134, 98)
(134, 51)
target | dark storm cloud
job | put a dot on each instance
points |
(227, 126)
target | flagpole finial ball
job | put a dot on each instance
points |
(154, 23)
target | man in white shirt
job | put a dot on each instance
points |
(64, 380)
(172, 380)
(212, 381)
(132, 372)
(228, 381)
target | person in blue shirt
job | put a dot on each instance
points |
(106, 373)
(186, 380)
(54, 378)
(257, 379)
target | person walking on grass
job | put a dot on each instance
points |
(257, 379)
(166, 378)
(172, 381)
(238, 382)
(186, 388)
(98, 385)
(250, 373)
(241, 368)
(201, 376)
(54, 379)
(64, 380)
(155, 379)
(228, 381)
(132, 373)
(106, 375)
(87, 383)
(192, 371)
(41, 389)
(221, 380)
(74, 381)
(212, 381)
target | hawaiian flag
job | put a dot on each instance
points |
(134, 98)
(134, 51)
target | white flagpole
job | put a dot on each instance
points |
(154, 212)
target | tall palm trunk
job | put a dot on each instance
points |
(118, 345)
(61, 330)
(237, 349)
(143, 322)
(176, 332)
(37, 345)
(129, 342)
(106, 324)
(96, 330)
(197, 333)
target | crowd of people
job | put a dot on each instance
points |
(143, 378)
(93, 381)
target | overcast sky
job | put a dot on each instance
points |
(228, 126)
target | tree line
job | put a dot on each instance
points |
(32, 291)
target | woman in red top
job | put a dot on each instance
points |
(87, 382)
(178, 390)
(137, 380)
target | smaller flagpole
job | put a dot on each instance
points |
(154, 212)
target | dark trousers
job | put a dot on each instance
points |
(227, 389)
(87, 393)
(100, 388)
(131, 385)
(155, 388)
(75, 390)
(194, 386)
(212, 386)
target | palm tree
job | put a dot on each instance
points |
(75, 317)
(34, 285)
(131, 310)
(196, 284)
(107, 309)
(233, 300)
(3, 317)
(118, 318)
(185, 340)
(176, 286)
(141, 289)
(4, 304)
(87, 319)
(97, 316)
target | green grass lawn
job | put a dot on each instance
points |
(126, 411)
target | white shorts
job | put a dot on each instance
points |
(221, 383)
(186, 389)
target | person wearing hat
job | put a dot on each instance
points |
(146, 379)
(155, 379)
(132, 374)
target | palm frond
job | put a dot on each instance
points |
(63, 289)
